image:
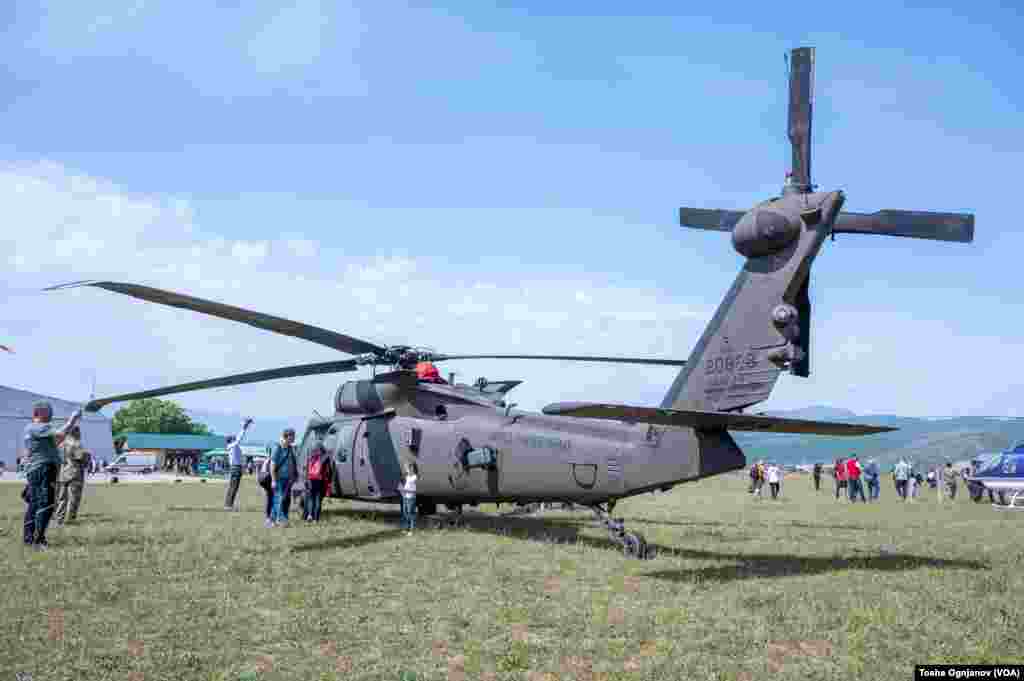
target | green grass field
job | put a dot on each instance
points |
(157, 582)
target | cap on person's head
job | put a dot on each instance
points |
(42, 408)
(288, 432)
(427, 371)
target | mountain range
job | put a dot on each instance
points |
(927, 441)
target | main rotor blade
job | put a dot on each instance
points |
(709, 218)
(569, 358)
(917, 224)
(235, 379)
(267, 322)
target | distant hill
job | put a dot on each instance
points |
(925, 441)
(817, 413)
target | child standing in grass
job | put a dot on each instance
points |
(409, 498)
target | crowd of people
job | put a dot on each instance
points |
(760, 473)
(277, 476)
(856, 481)
(850, 478)
(56, 466)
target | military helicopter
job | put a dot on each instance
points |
(472, 447)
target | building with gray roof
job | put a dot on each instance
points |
(16, 413)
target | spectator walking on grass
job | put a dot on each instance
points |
(234, 445)
(873, 476)
(816, 472)
(853, 474)
(283, 469)
(901, 475)
(950, 479)
(839, 473)
(774, 475)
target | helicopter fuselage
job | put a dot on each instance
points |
(469, 449)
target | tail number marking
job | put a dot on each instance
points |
(729, 363)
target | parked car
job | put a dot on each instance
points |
(131, 462)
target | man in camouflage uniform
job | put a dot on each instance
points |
(950, 478)
(72, 476)
(41, 468)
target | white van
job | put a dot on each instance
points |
(131, 462)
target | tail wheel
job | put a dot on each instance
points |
(634, 545)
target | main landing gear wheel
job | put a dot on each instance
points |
(633, 543)
(426, 507)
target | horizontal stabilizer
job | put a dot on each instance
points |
(570, 358)
(917, 224)
(710, 420)
(709, 218)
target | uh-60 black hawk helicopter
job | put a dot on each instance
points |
(471, 447)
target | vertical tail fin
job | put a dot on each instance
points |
(760, 327)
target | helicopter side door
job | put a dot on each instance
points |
(339, 440)
(376, 469)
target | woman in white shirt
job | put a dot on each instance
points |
(409, 498)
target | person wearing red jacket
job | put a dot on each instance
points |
(839, 473)
(853, 473)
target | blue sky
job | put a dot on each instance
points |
(501, 178)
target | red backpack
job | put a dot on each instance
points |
(315, 470)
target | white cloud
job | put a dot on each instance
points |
(131, 344)
(302, 248)
(72, 227)
(249, 253)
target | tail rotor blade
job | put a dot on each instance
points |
(916, 224)
(709, 218)
(801, 88)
